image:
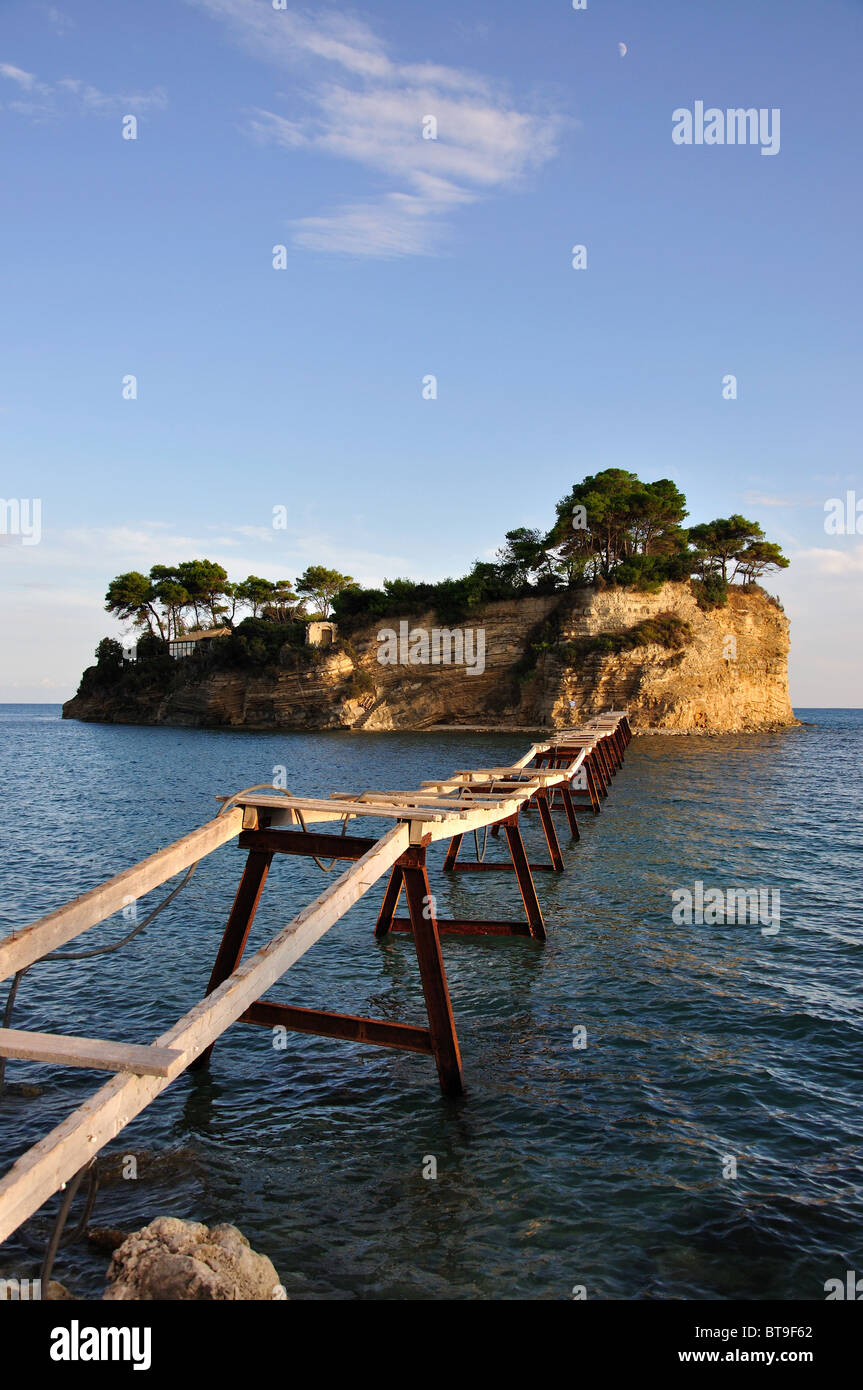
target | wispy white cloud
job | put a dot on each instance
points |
(755, 498)
(91, 99)
(58, 20)
(362, 106)
(763, 499)
(13, 74)
(96, 553)
(838, 562)
(45, 100)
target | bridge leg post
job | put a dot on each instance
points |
(550, 833)
(427, 942)
(525, 881)
(593, 784)
(452, 852)
(237, 930)
(569, 806)
(390, 902)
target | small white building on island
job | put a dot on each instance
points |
(320, 634)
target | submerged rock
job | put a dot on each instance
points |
(57, 1293)
(106, 1237)
(173, 1259)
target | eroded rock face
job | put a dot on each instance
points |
(172, 1259)
(730, 677)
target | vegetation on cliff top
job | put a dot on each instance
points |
(610, 529)
(171, 601)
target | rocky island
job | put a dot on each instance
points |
(616, 606)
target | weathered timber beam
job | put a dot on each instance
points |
(98, 1053)
(56, 1158)
(37, 940)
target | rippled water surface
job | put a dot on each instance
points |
(600, 1166)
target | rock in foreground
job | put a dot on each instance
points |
(172, 1259)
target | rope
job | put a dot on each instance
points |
(325, 868)
(74, 1183)
(268, 786)
(111, 946)
(480, 857)
(7, 1015)
(69, 1191)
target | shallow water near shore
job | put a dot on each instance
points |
(600, 1166)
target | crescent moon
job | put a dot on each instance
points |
(623, 49)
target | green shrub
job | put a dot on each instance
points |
(710, 592)
(665, 630)
(362, 683)
(150, 646)
(254, 643)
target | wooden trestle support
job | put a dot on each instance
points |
(570, 764)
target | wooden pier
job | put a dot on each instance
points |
(570, 770)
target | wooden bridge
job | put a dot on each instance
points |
(572, 770)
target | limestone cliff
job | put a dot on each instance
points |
(548, 662)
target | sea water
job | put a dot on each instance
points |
(654, 1108)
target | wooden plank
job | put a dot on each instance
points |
(471, 820)
(309, 803)
(509, 775)
(55, 929)
(98, 1053)
(519, 791)
(281, 809)
(57, 1157)
(420, 800)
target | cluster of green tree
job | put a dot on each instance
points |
(256, 642)
(172, 600)
(614, 527)
(611, 528)
(451, 599)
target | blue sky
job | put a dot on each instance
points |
(406, 257)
